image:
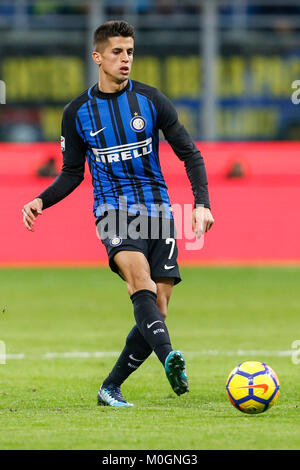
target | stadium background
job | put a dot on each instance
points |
(228, 66)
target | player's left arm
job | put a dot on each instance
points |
(186, 150)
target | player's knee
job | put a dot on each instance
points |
(140, 280)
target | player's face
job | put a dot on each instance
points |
(116, 58)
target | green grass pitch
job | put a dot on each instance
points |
(218, 317)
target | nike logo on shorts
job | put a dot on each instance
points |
(169, 267)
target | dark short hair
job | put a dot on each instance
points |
(111, 29)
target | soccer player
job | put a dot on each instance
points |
(115, 125)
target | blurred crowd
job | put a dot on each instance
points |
(256, 28)
(142, 7)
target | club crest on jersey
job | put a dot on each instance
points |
(115, 241)
(138, 123)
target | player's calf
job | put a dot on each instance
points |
(151, 323)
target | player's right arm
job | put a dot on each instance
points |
(71, 175)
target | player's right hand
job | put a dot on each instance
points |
(30, 212)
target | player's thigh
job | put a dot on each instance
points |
(164, 287)
(135, 270)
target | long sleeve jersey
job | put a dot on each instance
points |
(118, 134)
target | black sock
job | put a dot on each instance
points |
(151, 323)
(135, 352)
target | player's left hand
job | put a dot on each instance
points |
(202, 220)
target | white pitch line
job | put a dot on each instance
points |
(79, 355)
(102, 354)
(14, 356)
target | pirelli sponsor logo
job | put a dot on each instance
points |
(123, 152)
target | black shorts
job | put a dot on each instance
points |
(155, 237)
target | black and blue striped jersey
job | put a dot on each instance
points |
(118, 135)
